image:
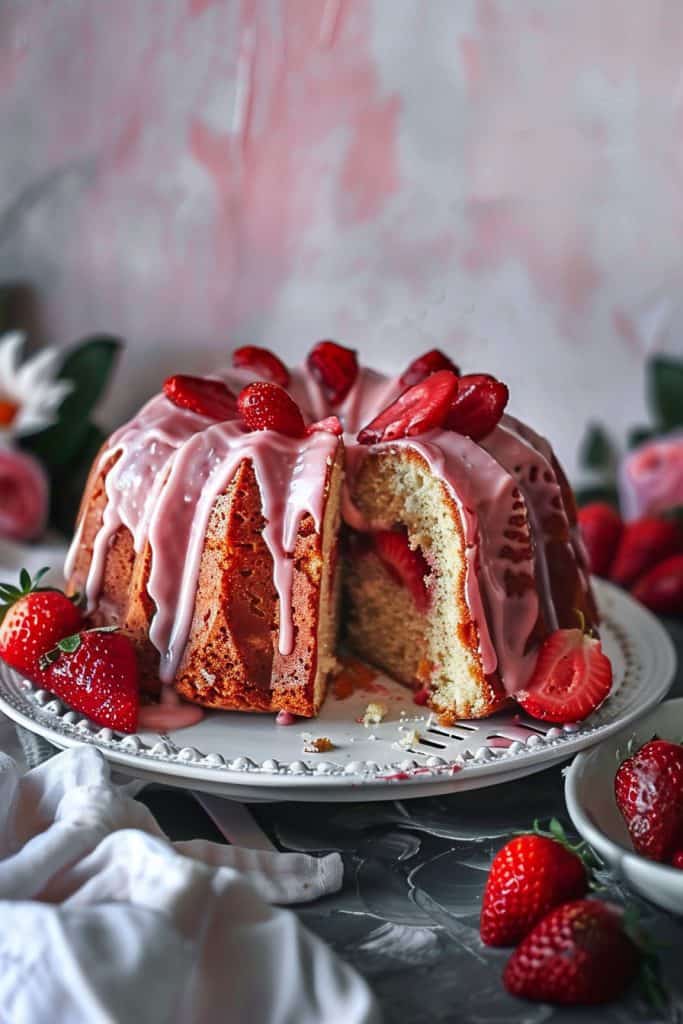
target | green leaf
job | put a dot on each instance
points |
(638, 435)
(69, 481)
(675, 514)
(69, 644)
(598, 492)
(665, 391)
(88, 366)
(596, 448)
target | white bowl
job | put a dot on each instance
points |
(589, 792)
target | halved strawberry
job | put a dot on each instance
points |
(265, 406)
(477, 406)
(601, 529)
(419, 409)
(95, 671)
(426, 364)
(407, 566)
(571, 679)
(330, 425)
(199, 394)
(33, 619)
(263, 362)
(643, 544)
(335, 368)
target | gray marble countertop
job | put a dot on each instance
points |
(407, 916)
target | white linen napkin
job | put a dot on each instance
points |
(103, 919)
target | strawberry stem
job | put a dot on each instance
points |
(581, 849)
(70, 644)
(10, 594)
(650, 981)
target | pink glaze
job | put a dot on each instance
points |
(172, 465)
(542, 446)
(285, 718)
(486, 496)
(536, 479)
(166, 717)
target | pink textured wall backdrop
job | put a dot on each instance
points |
(501, 177)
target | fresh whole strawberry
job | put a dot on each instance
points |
(263, 362)
(572, 678)
(644, 543)
(477, 406)
(408, 567)
(265, 406)
(421, 408)
(601, 529)
(335, 368)
(580, 953)
(95, 672)
(661, 589)
(424, 365)
(648, 788)
(529, 876)
(199, 394)
(33, 619)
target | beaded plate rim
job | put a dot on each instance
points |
(649, 659)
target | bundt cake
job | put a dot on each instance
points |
(219, 532)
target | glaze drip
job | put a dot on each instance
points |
(170, 466)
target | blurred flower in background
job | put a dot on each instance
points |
(48, 438)
(30, 392)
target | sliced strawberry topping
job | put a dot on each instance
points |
(330, 425)
(422, 407)
(207, 397)
(263, 362)
(601, 528)
(424, 365)
(265, 406)
(643, 544)
(571, 679)
(478, 405)
(335, 368)
(407, 566)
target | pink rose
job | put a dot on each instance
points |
(23, 495)
(651, 477)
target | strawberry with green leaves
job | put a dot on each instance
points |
(95, 672)
(32, 620)
(580, 953)
(529, 876)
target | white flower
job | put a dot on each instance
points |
(30, 394)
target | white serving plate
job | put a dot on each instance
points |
(589, 792)
(248, 757)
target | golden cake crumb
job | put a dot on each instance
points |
(318, 746)
(409, 738)
(374, 713)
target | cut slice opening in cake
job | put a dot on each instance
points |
(405, 606)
